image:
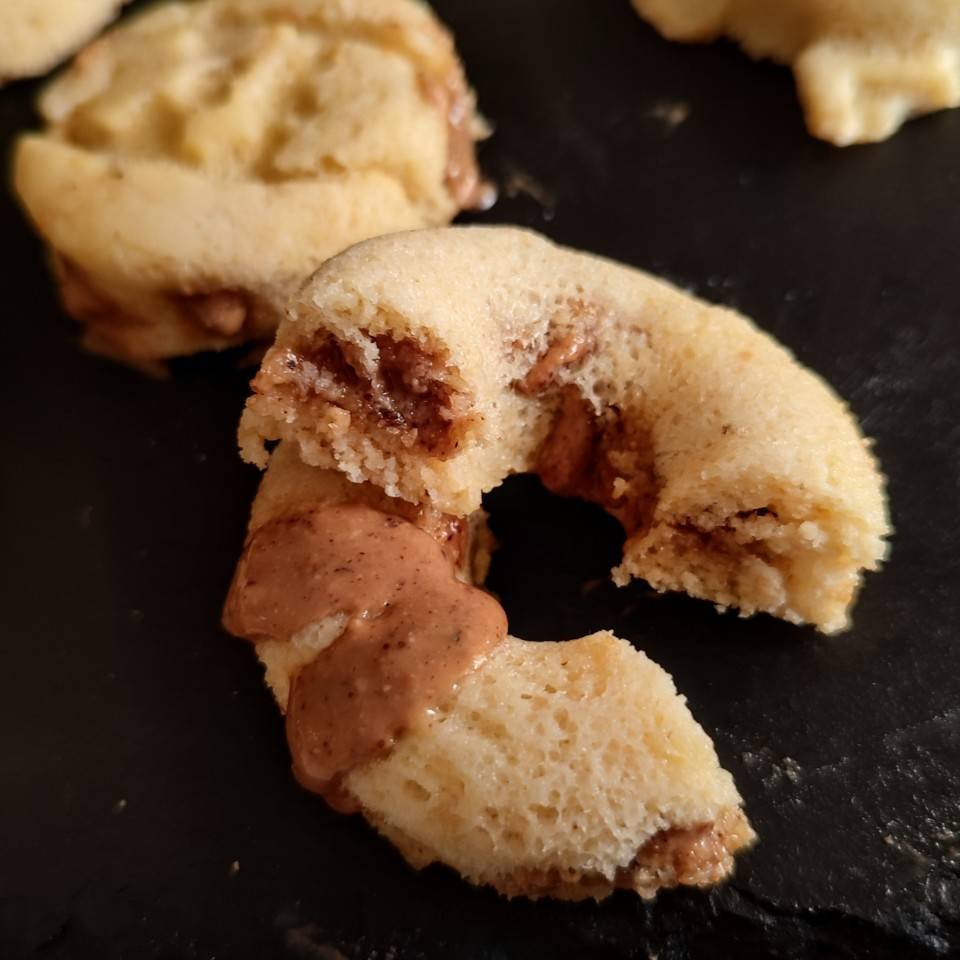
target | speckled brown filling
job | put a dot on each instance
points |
(407, 396)
(692, 856)
(451, 97)
(585, 455)
(413, 630)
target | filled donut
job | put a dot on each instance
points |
(434, 364)
(201, 160)
(862, 67)
(542, 769)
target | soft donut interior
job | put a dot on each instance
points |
(551, 769)
(561, 769)
(738, 475)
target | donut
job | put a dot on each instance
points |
(541, 769)
(433, 364)
(862, 67)
(36, 35)
(201, 160)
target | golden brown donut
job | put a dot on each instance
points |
(434, 364)
(542, 769)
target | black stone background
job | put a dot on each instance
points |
(141, 754)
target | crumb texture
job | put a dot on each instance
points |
(467, 354)
(560, 769)
(862, 67)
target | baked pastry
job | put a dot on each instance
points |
(433, 364)
(36, 35)
(201, 160)
(862, 67)
(543, 769)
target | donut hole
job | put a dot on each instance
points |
(551, 567)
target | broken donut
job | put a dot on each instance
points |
(542, 769)
(434, 364)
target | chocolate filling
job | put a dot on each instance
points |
(722, 542)
(686, 854)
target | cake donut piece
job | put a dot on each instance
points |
(542, 769)
(36, 35)
(202, 159)
(433, 364)
(862, 67)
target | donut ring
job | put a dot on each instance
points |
(434, 364)
(862, 67)
(203, 159)
(547, 769)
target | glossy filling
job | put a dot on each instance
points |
(412, 629)
(741, 559)
(407, 395)
(462, 176)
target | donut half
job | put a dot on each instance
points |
(542, 769)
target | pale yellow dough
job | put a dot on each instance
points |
(862, 67)
(740, 477)
(203, 158)
(36, 35)
(555, 769)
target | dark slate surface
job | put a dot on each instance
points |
(146, 807)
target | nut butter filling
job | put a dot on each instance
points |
(602, 459)
(450, 95)
(413, 630)
(211, 318)
(700, 856)
(566, 351)
(408, 395)
(693, 856)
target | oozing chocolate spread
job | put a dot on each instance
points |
(413, 630)
(687, 853)
(567, 454)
